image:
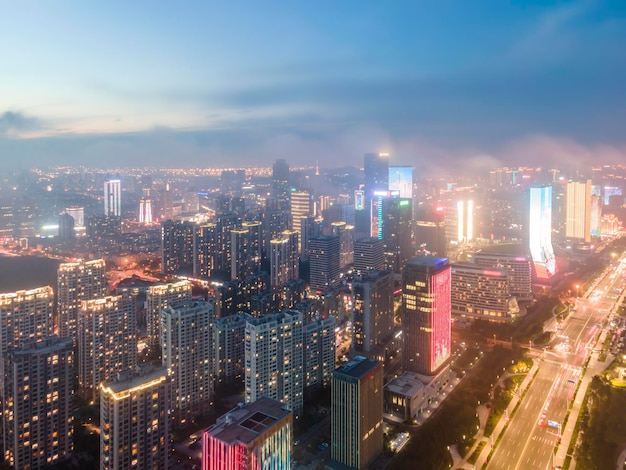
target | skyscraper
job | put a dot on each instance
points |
(397, 218)
(273, 359)
(245, 248)
(254, 436)
(280, 183)
(369, 254)
(401, 179)
(284, 260)
(319, 352)
(113, 197)
(230, 333)
(177, 294)
(82, 280)
(356, 413)
(301, 207)
(38, 408)
(578, 210)
(372, 312)
(107, 341)
(346, 242)
(188, 353)
(177, 246)
(426, 314)
(539, 232)
(134, 420)
(324, 260)
(376, 172)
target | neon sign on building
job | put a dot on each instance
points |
(540, 232)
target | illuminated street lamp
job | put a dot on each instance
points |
(577, 290)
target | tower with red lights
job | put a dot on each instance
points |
(426, 314)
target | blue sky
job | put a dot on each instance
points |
(435, 83)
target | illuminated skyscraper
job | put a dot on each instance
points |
(229, 334)
(376, 172)
(539, 232)
(145, 209)
(107, 341)
(346, 242)
(245, 248)
(459, 221)
(369, 255)
(177, 294)
(135, 424)
(324, 260)
(301, 207)
(284, 262)
(177, 246)
(273, 359)
(356, 413)
(254, 436)
(38, 408)
(113, 197)
(319, 352)
(426, 314)
(82, 280)
(397, 218)
(188, 353)
(578, 210)
(401, 179)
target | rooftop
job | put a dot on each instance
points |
(357, 367)
(435, 262)
(246, 422)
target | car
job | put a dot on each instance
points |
(297, 442)
(542, 420)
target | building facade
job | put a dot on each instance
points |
(177, 294)
(372, 311)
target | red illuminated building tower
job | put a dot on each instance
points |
(426, 314)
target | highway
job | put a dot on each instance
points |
(532, 434)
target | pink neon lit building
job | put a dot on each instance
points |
(426, 314)
(250, 437)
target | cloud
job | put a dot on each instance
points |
(15, 123)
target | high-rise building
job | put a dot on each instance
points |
(25, 316)
(426, 314)
(346, 242)
(319, 352)
(301, 207)
(376, 172)
(205, 250)
(273, 359)
(113, 197)
(177, 294)
(225, 223)
(479, 293)
(188, 353)
(254, 436)
(107, 341)
(280, 183)
(309, 228)
(145, 208)
(356, 413)
(38, 408)
(284, 260)
(539, 232)
(245, 250)
(177, 246)
(274, 223)
(372, 311)
(369, 255)
(401, 179)
(78, 214)
(430, 232)
(324, 261)
(229, 339)
(135, 424)
(82, 280)
(397, 221)
(517, 264)
(578, 210)
(459, 221)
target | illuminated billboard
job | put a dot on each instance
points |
(611, 191)
(359, 200)
(440, 320)
(401, 179)
(540, 232)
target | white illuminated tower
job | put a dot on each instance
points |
(113, 197)
(578, 210)
(145, 208)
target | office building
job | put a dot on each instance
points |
(107, 341)
(376, 172)
(430, 231)
(280, 183)
(66, 228)
(309, 228)
(397, 221)
(188, 354)
(319, 352)
(578, 210)
(229, 340)
(372, 311)
(82, 280)
(145, 210)
(301, 207)
(324, 261)
(539, 232)
(177, 294)
(113, 197)
(480, 293)
(401, 179)
(515, 261)
(356, 413)
(273, 359)
(78, 214)
(135, 425)
(426, 314)
(254, 436)
(38, 427)
(369, 255)
(284, 260)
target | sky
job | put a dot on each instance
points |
(438, 84)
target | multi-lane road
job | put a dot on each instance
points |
(532, 434)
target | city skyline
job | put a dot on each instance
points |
(431, 83)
